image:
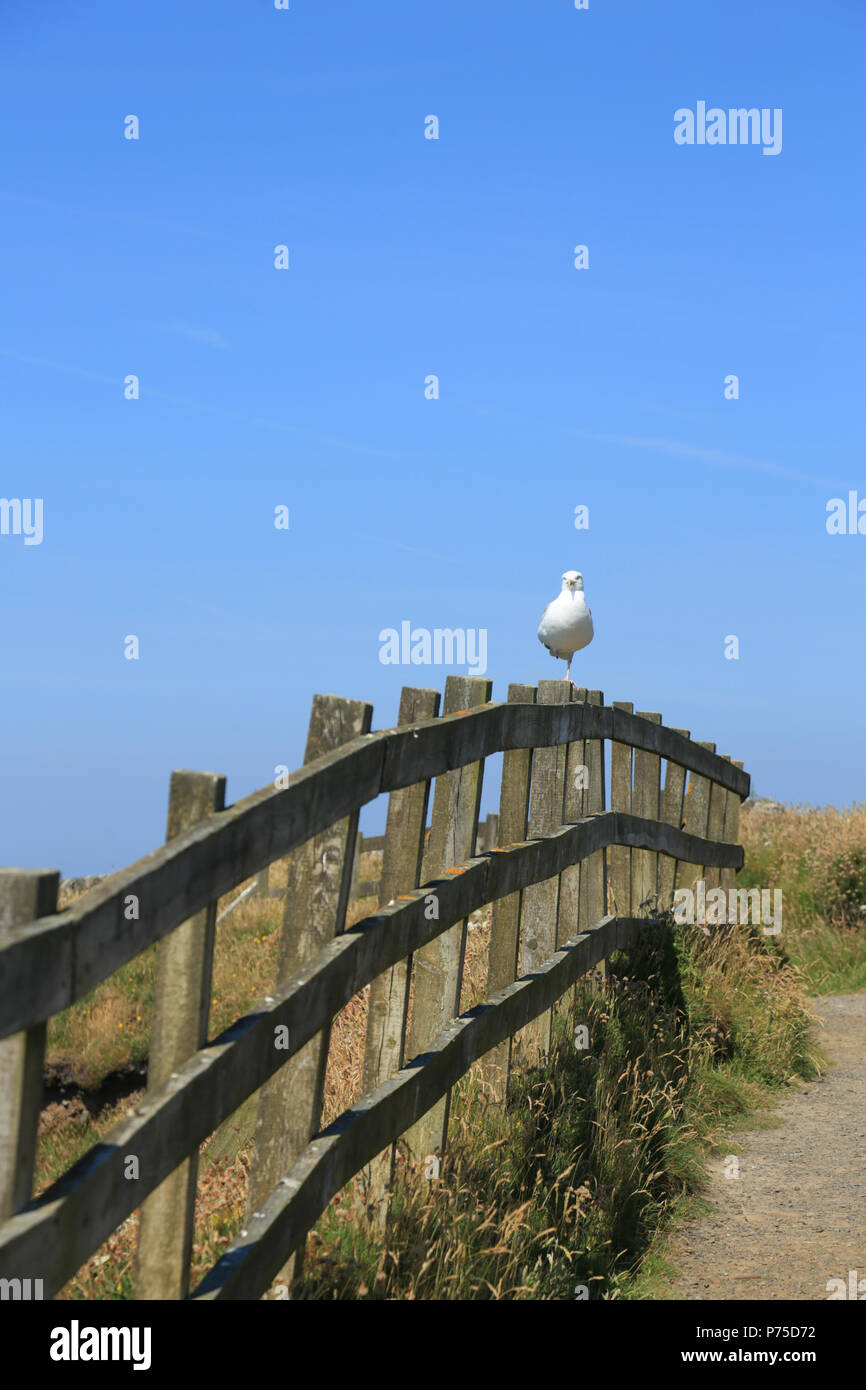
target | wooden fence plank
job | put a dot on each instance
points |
(178, 1029)
(715, 829)
(505, 926)
(540, 909)
(672, 814)
(25, 894)
(488, 833)
(317, 891)
(696, 810)
(731, 833)
(619, 856)
(438, 968)
(575, 802)
(645, 801)
(402, 854)
(593, 871)
(70, 1220)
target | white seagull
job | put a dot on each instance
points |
(566, 623)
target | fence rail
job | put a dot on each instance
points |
(551, 924)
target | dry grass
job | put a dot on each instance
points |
(804, 850)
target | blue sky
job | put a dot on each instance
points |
(304, 387)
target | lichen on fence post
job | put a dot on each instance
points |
(25, 894)
(178, 1028)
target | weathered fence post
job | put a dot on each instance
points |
(645, 801)
(672, 814)
(25, 894)
(582, 889)
(488, 834)
(438, 966)
(619, 856)
(505, 926)
(731, 832)
(696, 808)
(593, 871)
(574, 801)
(402, 853)
(715, 827)
(355, 880)
(541, 900)
(317, 891)
(181, 1002)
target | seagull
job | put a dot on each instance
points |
(566, 623)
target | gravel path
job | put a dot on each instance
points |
(795, 1217)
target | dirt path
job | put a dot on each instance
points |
(796, 1215)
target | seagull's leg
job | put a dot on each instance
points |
(568, 670)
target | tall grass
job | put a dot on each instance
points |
(806, 851)
(561, 1194)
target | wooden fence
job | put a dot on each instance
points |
(569, 880)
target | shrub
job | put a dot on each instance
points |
(844, 888)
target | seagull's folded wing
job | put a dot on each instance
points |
(545, 625)
(550, 630)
